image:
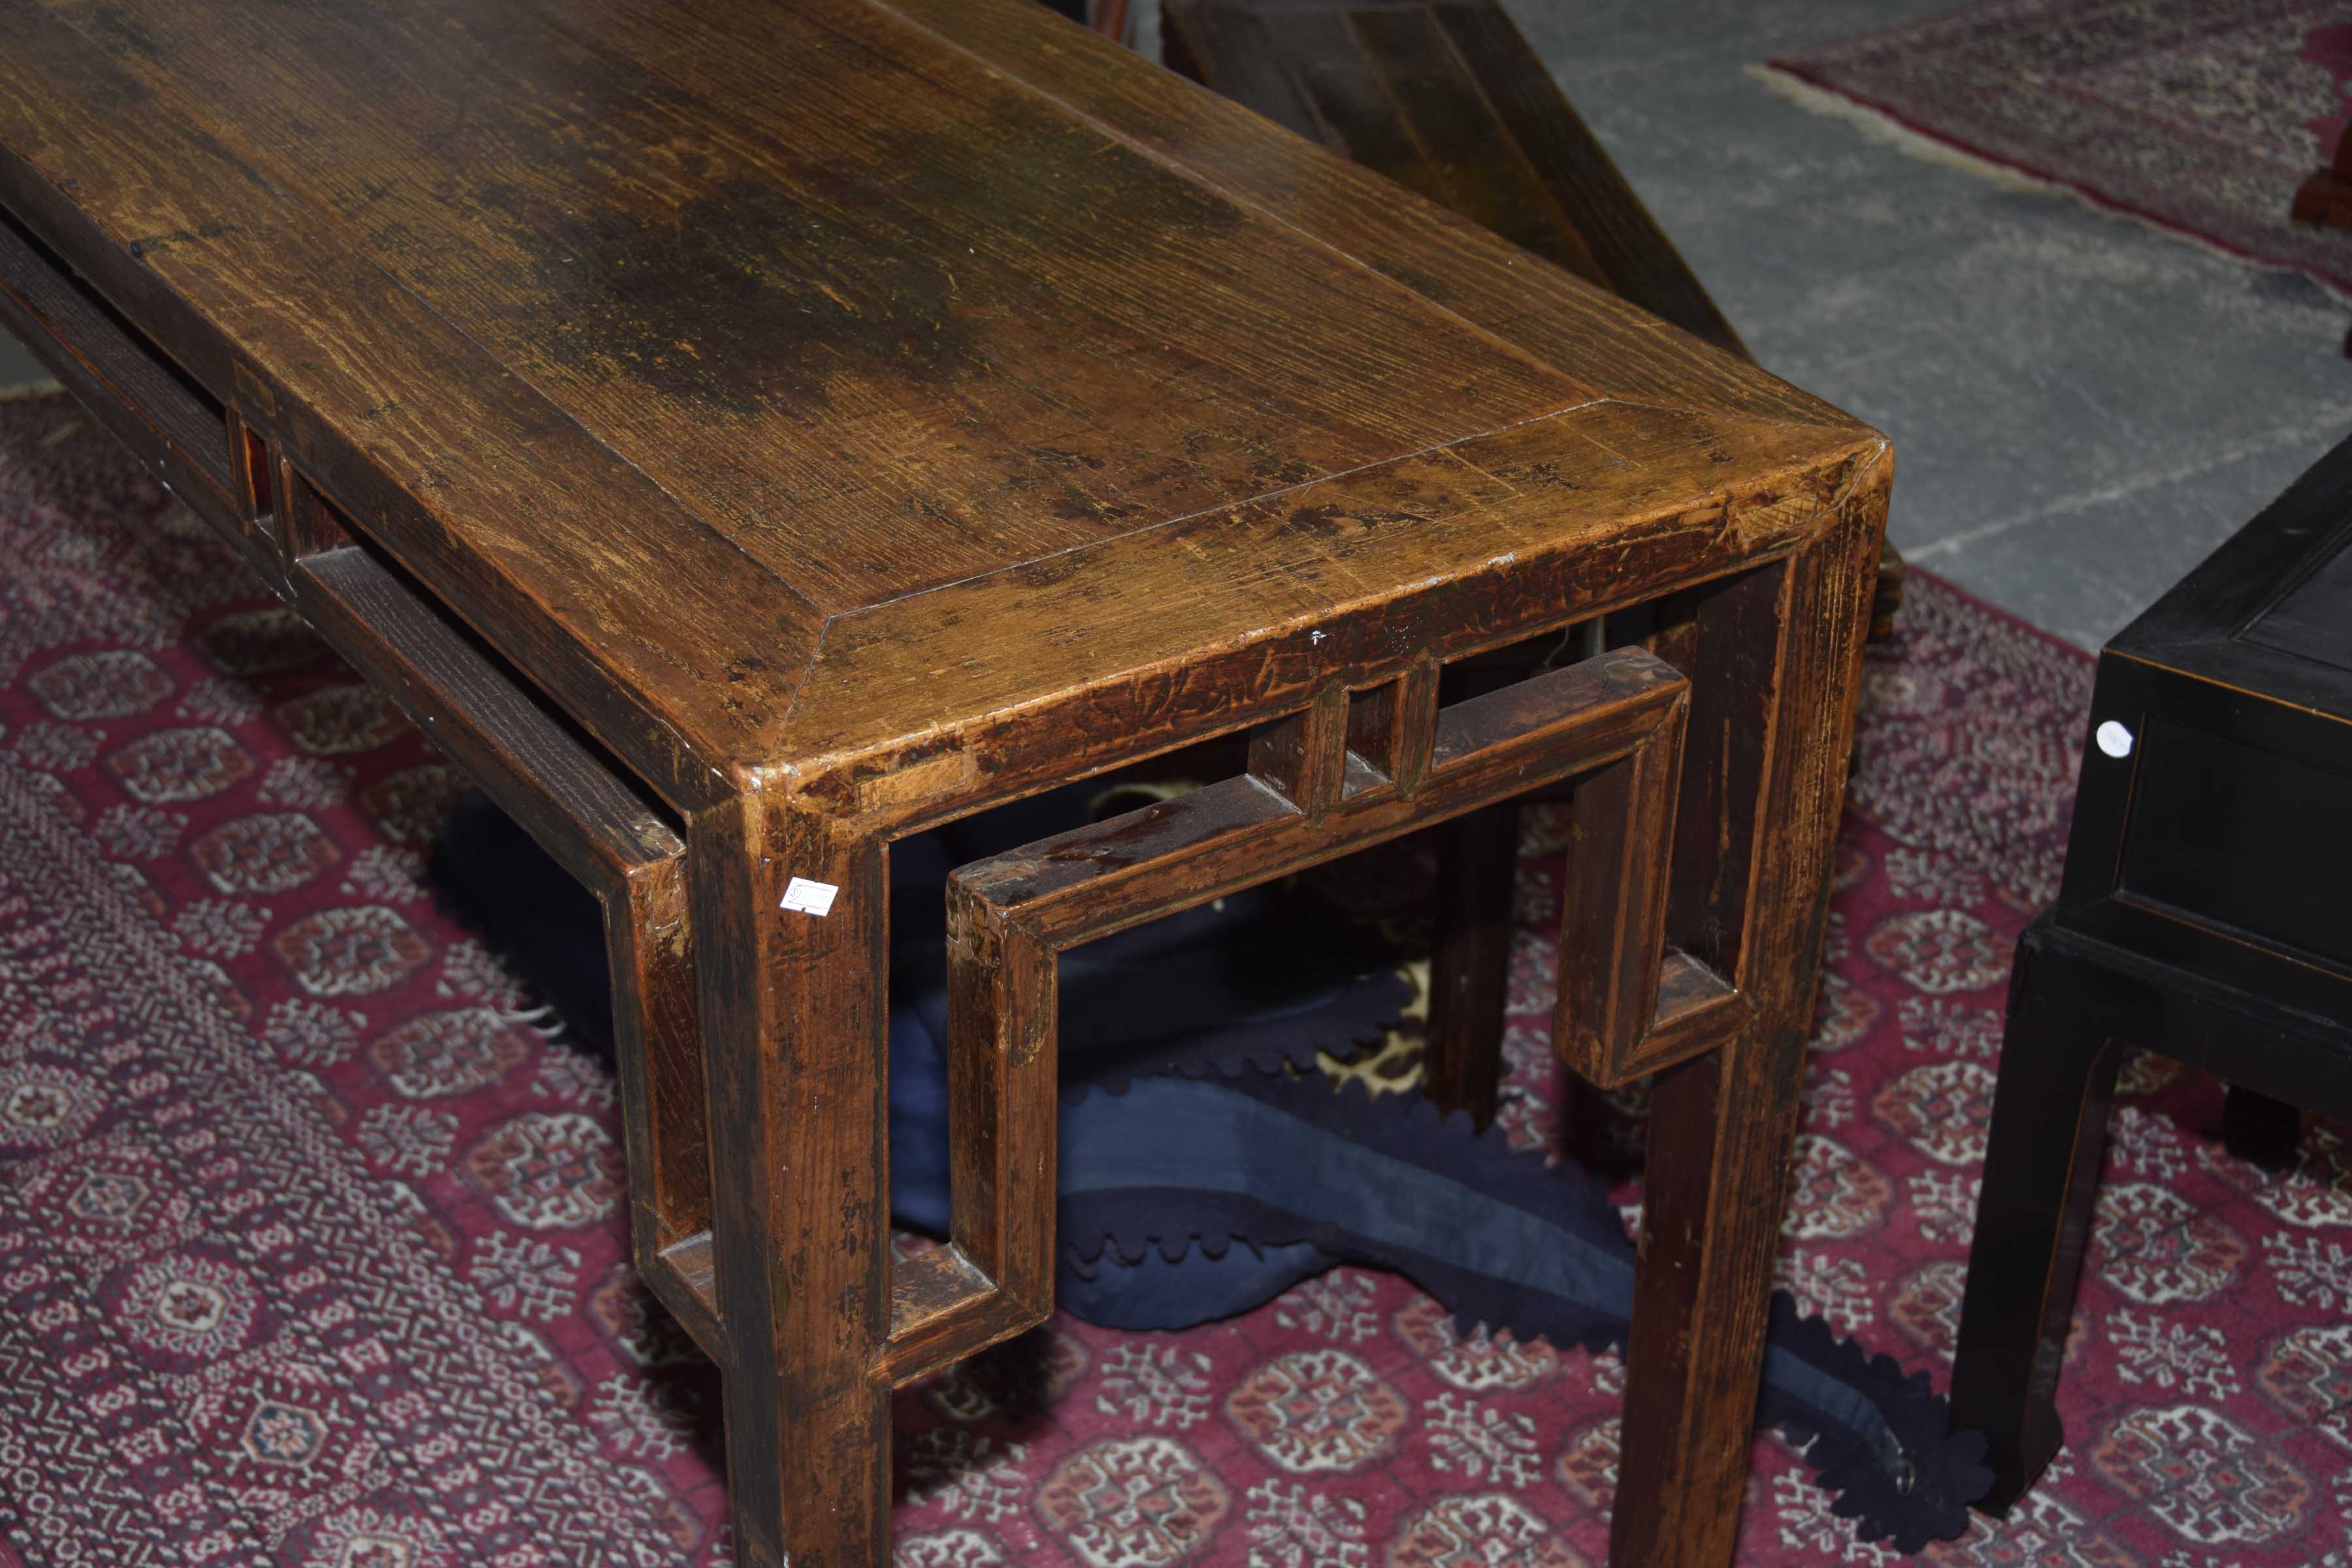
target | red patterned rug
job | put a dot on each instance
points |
(311, 1251)
(2201, 116)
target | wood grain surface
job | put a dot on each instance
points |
(750, 433)
(687, 350)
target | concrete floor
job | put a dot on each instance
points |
(2081, 407)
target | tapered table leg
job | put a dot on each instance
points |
(793, 1021)
(2042, 1174)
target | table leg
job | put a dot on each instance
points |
(2042, 1175)
(1469, 973)
(1720, 1130)
(1774, 657)
(793, 1030)
(2261, 1130)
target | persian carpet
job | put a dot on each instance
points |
(2201, 116)
(311, 1250)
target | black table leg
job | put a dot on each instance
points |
(2041, 1173)
(2261, 1130)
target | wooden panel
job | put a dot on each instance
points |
(252, 483)
(664, 639)
(1448, 100)
(2241, 839)
(163, 456)
(1724, 638)
(996, 1278)
(304, 522)
(571, 801)
(578, 807)
(809, 208)
(1101, 879)
(2255, 613)
(1613, 934)
(2211, 915)
(658, 1041)
(686, 1282)
(1303, 757)
(2313, 619)
(131, 366)
(1478, 169)
(401, 333)
(1624, 351)
(1494, 537)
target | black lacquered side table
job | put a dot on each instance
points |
(2206, 912)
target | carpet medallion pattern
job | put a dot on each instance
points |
(313, 1251)
(2202, 116)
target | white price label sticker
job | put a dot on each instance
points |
(809, 898)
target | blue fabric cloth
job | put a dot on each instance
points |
(1210, 1188)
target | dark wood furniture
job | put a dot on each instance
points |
(2203, 914)
(738, 433)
